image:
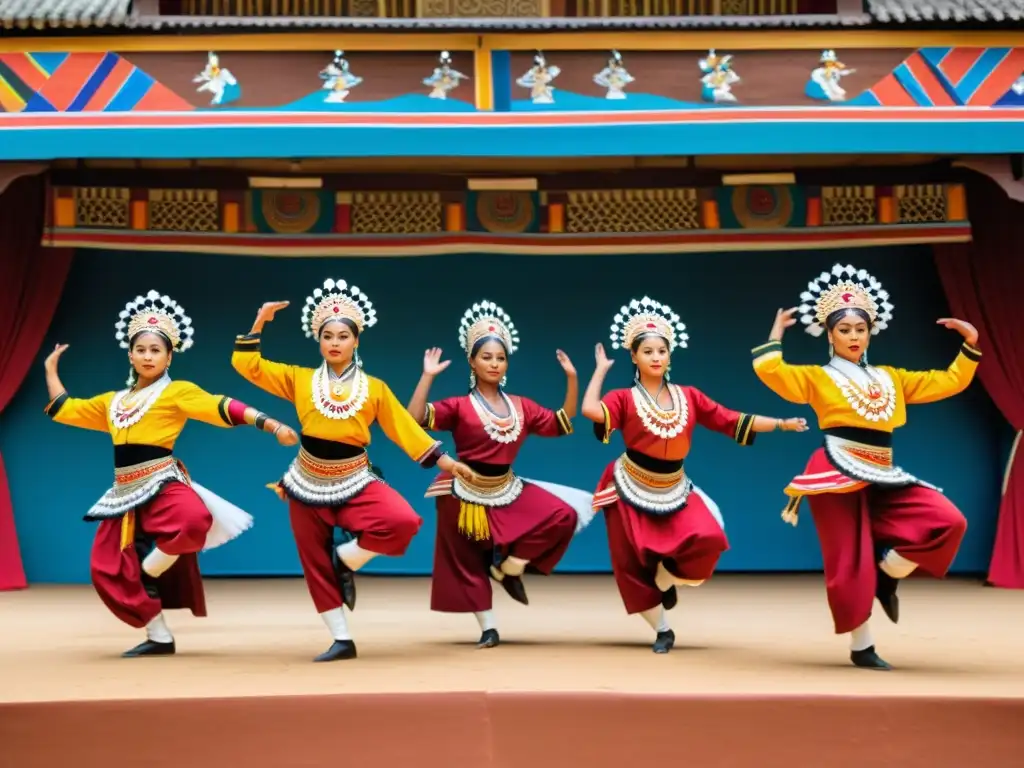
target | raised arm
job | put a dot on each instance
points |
(92, 413)
(572, 386)
(931, 386)
(741, 427)
(593, 409)
(790, 382)
(419, 406)
(276, 378)
(221, 411)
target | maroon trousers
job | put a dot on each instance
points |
(382, 521)
(537, 526)
(178, 521)
(919, 523)
(689, 542)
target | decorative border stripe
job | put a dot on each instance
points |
(54, 406)
(971, 353)
(745, 434)
(766, 349)
(248, 343)
(564, 422)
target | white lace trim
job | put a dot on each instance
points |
(660, 501)
(319, 492)
(121, 499)
(870, 391)
(330, 408)
(500, 433)
(124, 417)
(665, 424)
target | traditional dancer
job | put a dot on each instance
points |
(663, 531)
(154, 519)
(331, 483)
(496, 523)
(876, 523)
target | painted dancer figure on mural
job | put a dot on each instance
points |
(615, 77)
(876, 523)
(823, 84)
(217, 81)
(495, 525)
(663, 531)
(338, 80)
(444, 79)
(331, 483)
(719, 78)
(538, 79)
(154, 519)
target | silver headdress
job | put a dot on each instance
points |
(335, 301)
(846, 287)
(646, 316)
(485, 318)
(154, 313)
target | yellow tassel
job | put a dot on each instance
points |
(127, 529)
(276, 488)
(473, 521)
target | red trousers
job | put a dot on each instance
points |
(382, 521)
(919, 523)
(537, 526)
(689, 543)
(178, 521)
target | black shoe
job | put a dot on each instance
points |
(150, 648)
(669, 598)
(346, 579)
(513, 585)
(664, 642)
(339, 650)
(885, 591)
(868, 659)
(489, 639)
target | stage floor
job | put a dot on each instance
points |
(745, 635)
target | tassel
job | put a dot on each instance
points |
(127, 529)
(791, 513)
(473, 521)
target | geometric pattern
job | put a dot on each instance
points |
(948, 77)
(81, 82)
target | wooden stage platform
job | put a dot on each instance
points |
(756, 679)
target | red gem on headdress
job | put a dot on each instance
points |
(651, 325)
(152, 321)
(847, 298)
(491, 328)
(336, 310)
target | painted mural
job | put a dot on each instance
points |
(542, 81)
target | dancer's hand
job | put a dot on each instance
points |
(50, 364)
(565, 362)
(601, 359)
(783, 319)
(286, 435)
(793, 425)
(268, 310)
(965, 329)
(462, 472)
(432, 362)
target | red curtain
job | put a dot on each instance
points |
(31, 282)
(983, 281)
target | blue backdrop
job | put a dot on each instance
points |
(728, 301)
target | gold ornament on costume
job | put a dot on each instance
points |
(846, 287)
(154, 313)
(485, 318)
(647, 317)
(336, 301)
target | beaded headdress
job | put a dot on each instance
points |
(154, 313)
(647, 317)
(845, 287)
(337, 300)
(483, 319)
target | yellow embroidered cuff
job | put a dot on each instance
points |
(745, 434)
(54, 406)
(564, 422)
(971, 353)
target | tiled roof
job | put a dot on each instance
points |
(223, 23)
(40, 14)
(917, 11)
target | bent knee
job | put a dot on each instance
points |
(565, 517)
(195, 525)
(406, 525)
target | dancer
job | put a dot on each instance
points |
(496, 522)
(331, 483)
(876, 523)
(663, 531)
(154, 519)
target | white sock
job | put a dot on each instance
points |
(861, 638)
(336, 624)
(896, 565)
(486, 620)
(157, 630)
(157, 561)
(354, 556)
(656, 618)
(513, 566)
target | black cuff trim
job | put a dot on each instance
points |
(428, 417)
(249, 342)
(429, 461)
(971, 353)
(54, 406)
(564, 422)
(222, 410)
(603, 431)
(745, 434)
(764, 349)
